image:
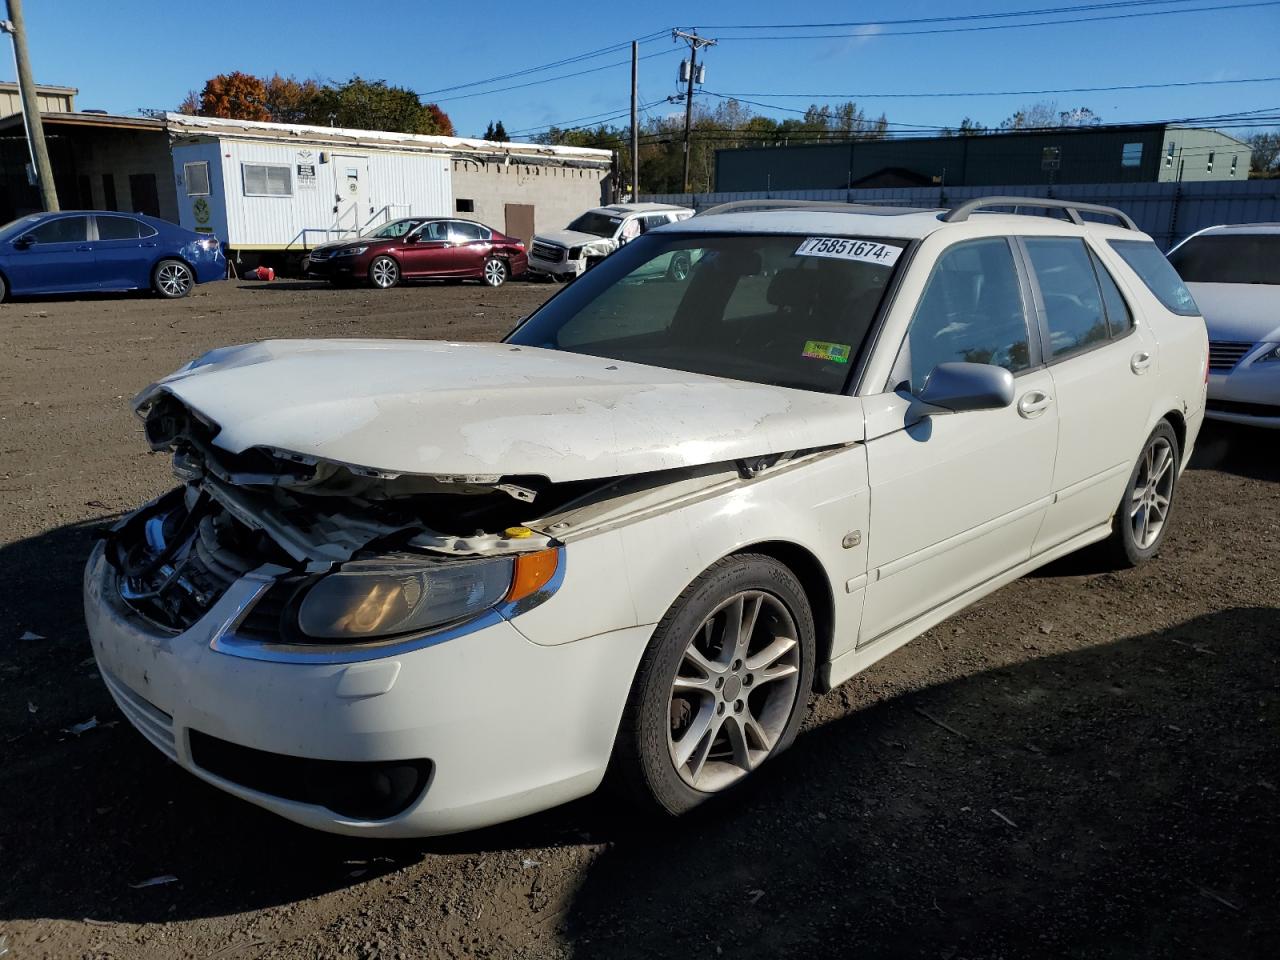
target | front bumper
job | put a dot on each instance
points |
(509, 727)
(557, 268)
(335, 268)
(1248, 394)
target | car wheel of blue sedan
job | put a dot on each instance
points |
(172, 279)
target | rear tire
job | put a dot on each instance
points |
(496, 272)
(4, 290)
(1142, 519)
(384, 273)
(722, 688)
(172, 279)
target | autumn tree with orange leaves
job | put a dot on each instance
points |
(235, 96)
(358, 103)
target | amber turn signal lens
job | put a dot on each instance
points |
(533, 572)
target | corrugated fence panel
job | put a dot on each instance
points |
(1169, 212)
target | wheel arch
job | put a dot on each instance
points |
(1179, 424)
(815, 582)
(172, 256)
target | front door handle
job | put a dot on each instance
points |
(83, 249)
(146, 244)
(1140, 362)
(1033, 404)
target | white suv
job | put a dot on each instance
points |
(568, 253)
(409, 588)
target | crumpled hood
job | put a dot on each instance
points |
(572, 238)
(485, 409)
(1239, 312)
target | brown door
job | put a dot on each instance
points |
(520, 222)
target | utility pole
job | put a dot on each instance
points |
(635, 121)
(695, 44)
(15, 26)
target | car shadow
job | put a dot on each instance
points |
(1249, 452)
(1115, 796)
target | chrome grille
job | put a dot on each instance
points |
(548, 252)
(152, 722)
(1225, 354)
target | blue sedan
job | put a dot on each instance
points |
(84, 250)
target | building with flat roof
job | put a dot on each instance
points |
(1108, 154)
(273, 190)
(51, 99)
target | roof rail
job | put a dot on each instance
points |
(961, 213)
(828, 206)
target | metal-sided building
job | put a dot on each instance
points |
(273, 187)
(1109, 154)
(270, 191)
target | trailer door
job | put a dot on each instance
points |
(351, 210)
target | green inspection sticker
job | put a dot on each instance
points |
(821, 350)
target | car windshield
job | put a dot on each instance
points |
(14, 227)
(394, 229)
(792, 311)
(597, 224)
(1229, 258)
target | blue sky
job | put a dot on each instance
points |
(126, 55)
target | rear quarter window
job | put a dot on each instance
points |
(1154, 270)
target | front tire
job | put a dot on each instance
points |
(384, 273)
(1142, 518)
(722, 687)
(495, 272)
(172, 279)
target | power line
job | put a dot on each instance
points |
(963, 17)
(1002, 93)
(578, 58)
(999, 26)
(562, 76)
(591, 120)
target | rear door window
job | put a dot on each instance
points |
(1119, 317)
(63, 230)
(119, 228)
(1074, 313)
(1154, 270)
(464, 232)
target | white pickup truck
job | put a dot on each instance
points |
(565, 254)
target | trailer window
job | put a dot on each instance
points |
(196, 177)
(267, 180)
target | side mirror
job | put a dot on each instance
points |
(24, 241)
(960, 387)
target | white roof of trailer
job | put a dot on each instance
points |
(180, 123)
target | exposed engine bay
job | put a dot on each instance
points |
(296, 519)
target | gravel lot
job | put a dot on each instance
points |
(1085, 764)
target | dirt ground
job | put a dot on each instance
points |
(1085, 764)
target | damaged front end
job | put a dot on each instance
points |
(345, 554)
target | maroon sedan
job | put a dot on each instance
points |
(420, 248)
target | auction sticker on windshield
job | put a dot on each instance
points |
(842, 248)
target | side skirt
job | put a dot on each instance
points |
(837, 671)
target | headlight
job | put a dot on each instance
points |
(400, 595)
(575, 253)
(1272, 354)
(350, 251)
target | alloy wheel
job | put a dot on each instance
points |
(173, 279)
(734, 690)
(1152, 492)
(495, 273)
(384, 272)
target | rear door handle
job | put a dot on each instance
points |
(1140, 362)
(84, 249)
(147, 244)
(1033, 404)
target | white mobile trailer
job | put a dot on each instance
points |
(270, 196)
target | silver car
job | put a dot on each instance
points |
(1234, 274)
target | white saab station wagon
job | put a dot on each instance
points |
(408, 588)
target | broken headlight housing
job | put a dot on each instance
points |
(397, 596)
